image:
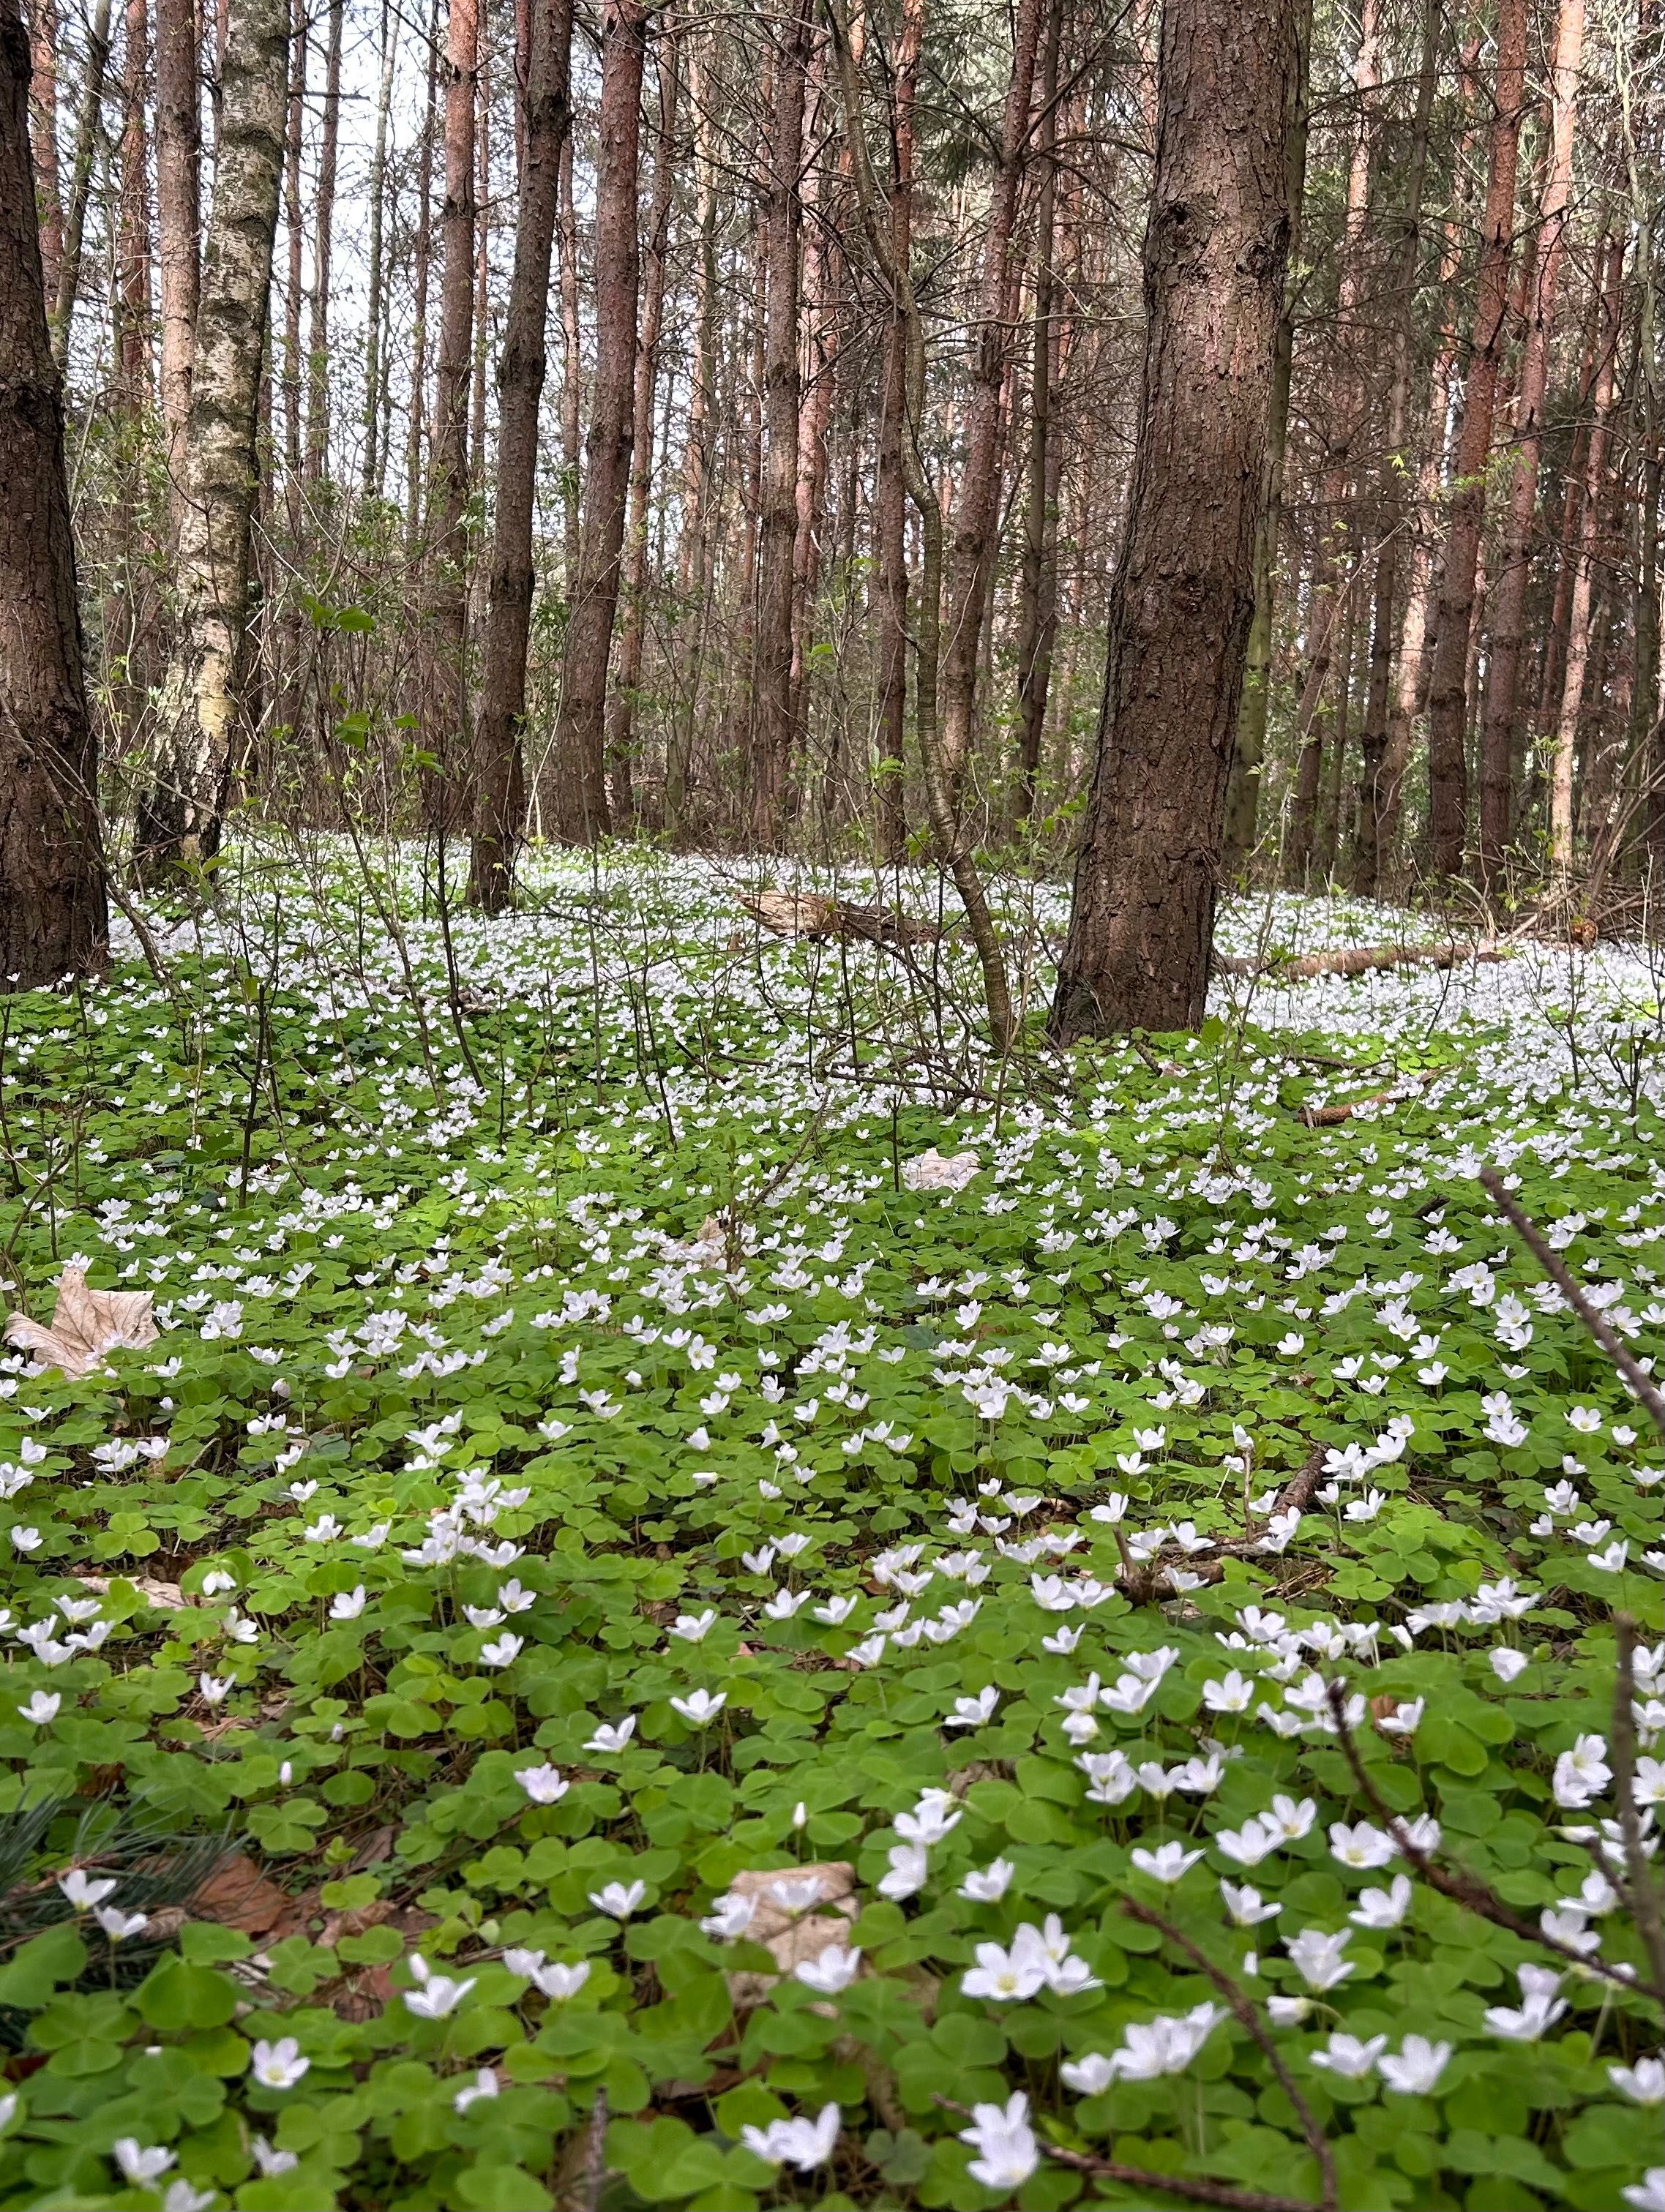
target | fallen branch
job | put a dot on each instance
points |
(1646, 1389)
(1330, 1117)
(813, 915)
(1464, 1888)
(1243, 2007)
(1361, 960)
(1146, 1584)
(1644, 1900)
(1191, 2188)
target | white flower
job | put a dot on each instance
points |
(1347, 2056)
(1539, 2008)
(83, 1891)
(730, 1916)
(273, 2162)
(1007, 2151)
(1089, 2077)
(119, 1925)
(279, 2065)
(1005, 1976)
(618, 1900)
(1166, 2045)
(139, 2164)
(1404, 1720)
(612, 1736)
(216, 1688)
(1169, 1863)
(437, 1995)
(1582, 1773)
(543, 1785)
(1647, 2195)
(1383, 1908)
(1507, 1664)
(803, 2143)
(1643, 2083)
(180, 2196)
(555, 1981)
(909, 1865)
(42, 1710)
(1361, 1846)
(834, 1970)
(347, 1604)
(504, 1652)
(972, 1712)
(1415, 2069)
(700, 1708)
(1246, 1905)
(694, 1627)
(485, 2084)
(1317, 1958)
(1248, 1845)
(987, 1885)
(1233, 1695)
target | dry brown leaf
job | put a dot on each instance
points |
(86, 1325)
(237, 1894)
(166, 1597)
(792, 1940)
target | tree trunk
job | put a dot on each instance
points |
(771, 684)
(1141, 922)
(1038, 584)
(1561, 808)
(693, 553)
(294, 134)
(422, 251)
(318, 348)
(374, 372)
(1393, 517)
(179, 222)
(43, 139)
(53, 918)
(890, 493)
(580, 731)
(626, 679)
(1499, 742)
(133, 236)
(445, 730)
(81, 179)
(572, 375)
(178, 821)
(499, 775)
(1242, 796)
(1447, 772)
(976, 522)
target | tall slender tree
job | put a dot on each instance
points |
(1141, 921)
(581, 812)
(499, 771)
(52, 916)
(179, 819)
(178, 222)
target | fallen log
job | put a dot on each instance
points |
(813, 915)
(1363, 960)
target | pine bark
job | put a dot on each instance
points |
(770, 743)
(1500, 738)
(976, 520)
(580, 796)
(1141, 923)
(53, 918)
(891, 490)
(1447, 693)
(445, 733)
(43, 138)
(180, 819)
(499, 771)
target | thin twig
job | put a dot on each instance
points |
(1644, 1892)
(1194, 2189)
(1555, 1267)
(1248, 2014)
(1146, 1584)
(1462, 1888)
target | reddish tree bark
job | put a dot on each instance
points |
(1447, 692)
(1141, 923)
(43, 138)
(580, 794)
(53, 918)
(891, 491)
(1499, 742)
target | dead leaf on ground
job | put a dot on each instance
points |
(792, 1939)
(237, 1894)
(86, 1325)
(166, 1597)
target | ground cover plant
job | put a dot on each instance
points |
(702, 1599)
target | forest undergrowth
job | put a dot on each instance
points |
(703, 1599)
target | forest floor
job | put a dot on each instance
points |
(715, 1558)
